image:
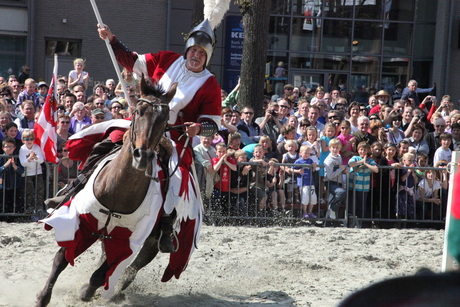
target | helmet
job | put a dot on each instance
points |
(203, 36)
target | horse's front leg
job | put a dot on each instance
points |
(59, 265)
(147, 253)
(96, 281)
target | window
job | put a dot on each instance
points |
(63, 47)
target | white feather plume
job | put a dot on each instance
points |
(214, 11)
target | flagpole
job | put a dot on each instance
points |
(112, 55)
(55, 73)
(447, 259)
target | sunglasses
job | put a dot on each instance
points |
(442, 164)
(8, 146)
(65, 122)
(4, 94)
(374, 118)
(100, 104)
(440, 126)
(303, 125)
(29, 139)
(100, 117)
(333, 117)
(250, 113)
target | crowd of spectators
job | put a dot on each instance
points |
(21, 101)
(406, 132)
(328, 134)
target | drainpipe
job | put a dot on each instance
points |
(31, 38)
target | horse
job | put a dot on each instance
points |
(121, 186)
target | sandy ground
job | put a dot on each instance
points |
(234, 266)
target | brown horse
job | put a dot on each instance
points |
(122, 184)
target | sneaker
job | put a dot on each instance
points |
(331, 214)
(305, 216)
(312, 215)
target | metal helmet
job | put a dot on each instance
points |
(202, 35)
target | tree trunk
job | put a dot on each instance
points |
(256, 16)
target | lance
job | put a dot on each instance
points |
(112, 55)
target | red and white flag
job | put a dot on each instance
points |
(45, 127)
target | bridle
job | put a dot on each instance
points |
(154, 105)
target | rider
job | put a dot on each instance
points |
(196, 104)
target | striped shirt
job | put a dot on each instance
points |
(360, 176)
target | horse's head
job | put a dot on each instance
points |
(149, 121)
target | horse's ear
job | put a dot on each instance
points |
(172, 91)
(144, 85)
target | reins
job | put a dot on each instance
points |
(168, 128)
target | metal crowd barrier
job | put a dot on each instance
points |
(25, 200)
(384, 204)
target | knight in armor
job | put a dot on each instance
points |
(195, 107)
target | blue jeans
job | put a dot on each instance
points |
(337, 195)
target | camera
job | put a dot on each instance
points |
(420, 116)
(433, 98)
(273, 113)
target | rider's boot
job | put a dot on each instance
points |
(167, 234)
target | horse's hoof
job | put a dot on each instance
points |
(127, 278)
(87, 292)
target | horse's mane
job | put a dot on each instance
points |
(149, 88)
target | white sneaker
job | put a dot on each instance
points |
(331, 214)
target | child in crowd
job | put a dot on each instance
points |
(239, 185)
(422, 161)
(259, 178)
(428, 204)
(311, 139)
(288, 132)
(407, 184)
(31, 157)
(347, 139)
(292, 192)
(11, 182)
(266, 143)
(29, 93)
(223, 164)
(333, 171)
(379, 182)
(359, 180)
(271, 186)
(388, 210)
(443, 152)
(305, 182)
(279, 187)
(234, 141)
(329, 134)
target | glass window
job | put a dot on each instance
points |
(63, 47)
(320, 61)
(367, 65)
(336, 36)
(398, 39)
(426, 11)
(422, 72)
(399, 10)
(424, 47)
(281, 7)
(304, 40)
(367, 37)
(278, 33)
(369, 9)
(338, 9)
(12, 54)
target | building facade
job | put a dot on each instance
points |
(351, 44)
